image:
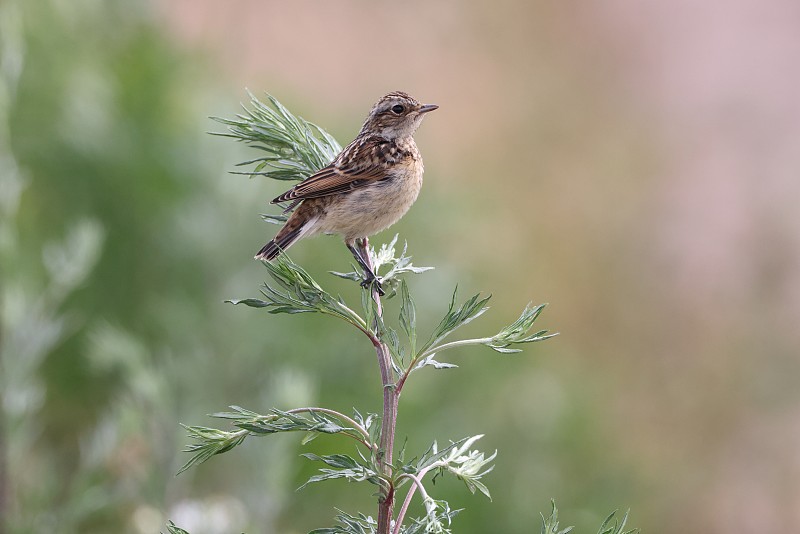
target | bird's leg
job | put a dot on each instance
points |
(364, 263)
(362, 246)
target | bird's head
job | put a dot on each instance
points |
(395, 115)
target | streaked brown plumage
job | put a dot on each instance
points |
(368, 187)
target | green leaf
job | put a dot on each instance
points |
(386, 256)
(617, 527)
(349, 524)
(517, 332)
(370, 308)
(443, 515)
(408, 316)
(365, 422)
(295, 291)
(293, 147)
(473, 308)
(253, 303)
(341, 461)
(172, 529)
(353, 276)
(428, 360)
(212, 441)
(505, 350)
(279, 421)
(550, 523)
(343, 467)
(309, 437)
(470, 466)
(437, 519)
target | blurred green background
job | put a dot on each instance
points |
(636, 166)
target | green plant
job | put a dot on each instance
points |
(611, 525)
(293, 149)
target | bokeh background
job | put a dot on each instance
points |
(636, 165)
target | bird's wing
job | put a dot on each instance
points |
(358, 165)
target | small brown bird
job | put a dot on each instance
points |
(367, 188)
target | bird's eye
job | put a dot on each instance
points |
(398, 109)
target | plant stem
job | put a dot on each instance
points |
(417, 483)
(454, 344)
(389, 419)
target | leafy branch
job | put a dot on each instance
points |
(174, 529)
(550, 524)
(467, 465)
(298, 292)
(212, 441)
(514, 334)
(294, 148)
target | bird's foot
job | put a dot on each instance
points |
(372, 280)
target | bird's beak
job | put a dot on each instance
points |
(428, 107)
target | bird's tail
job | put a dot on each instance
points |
(301, 223)
(282, 241)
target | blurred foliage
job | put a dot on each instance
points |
(100, 155)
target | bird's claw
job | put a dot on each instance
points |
(372, 280)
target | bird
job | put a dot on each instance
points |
(367, 187)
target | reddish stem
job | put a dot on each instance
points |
(391, 397)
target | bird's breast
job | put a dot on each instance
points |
(367, 210)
